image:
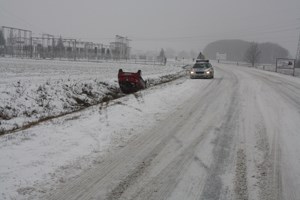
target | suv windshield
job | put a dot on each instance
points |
(202, 65)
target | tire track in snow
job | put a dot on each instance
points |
(267, 153)
(269, 173)
(285, 88)
(104, 180)
(163, 184)
(269, 169)
(160, 186)
(214, 187)
(241, 188)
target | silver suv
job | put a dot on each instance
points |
(202, 70)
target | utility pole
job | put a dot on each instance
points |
(298, 53)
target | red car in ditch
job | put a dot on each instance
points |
(131, 82)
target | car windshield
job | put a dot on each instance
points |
(202, 65)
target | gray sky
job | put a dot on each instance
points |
(156, 24)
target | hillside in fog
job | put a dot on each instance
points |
(235, 50)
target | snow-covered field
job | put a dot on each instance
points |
(33, 161)
(34, 90)
(233, 137)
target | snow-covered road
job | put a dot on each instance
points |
(234, 137)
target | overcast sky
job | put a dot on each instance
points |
(156, 24)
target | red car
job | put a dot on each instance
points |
(131, 82)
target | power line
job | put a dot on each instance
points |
(209, 37)
(270, 28)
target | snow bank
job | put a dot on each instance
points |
(36, 90)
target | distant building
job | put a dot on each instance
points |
(120, 48)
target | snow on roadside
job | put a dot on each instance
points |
(34, 90)
(35, 161)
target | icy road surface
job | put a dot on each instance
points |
(234, 137)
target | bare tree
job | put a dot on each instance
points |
(252, 54)
(162, 53)
(162, 57)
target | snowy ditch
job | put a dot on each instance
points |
(43, 158)
(29, 95)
